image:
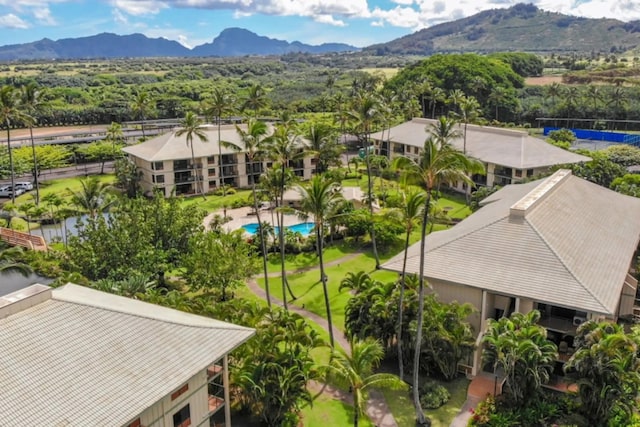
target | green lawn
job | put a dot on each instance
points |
(60, 187)
(328, 412)
(212, 203)
(310, 259)
(401, 405)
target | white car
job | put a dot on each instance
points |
(7, 191)
(24, 185)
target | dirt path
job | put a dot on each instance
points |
(377, 408)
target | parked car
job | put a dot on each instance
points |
(7, 191)
(25, 185)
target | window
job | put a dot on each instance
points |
(179, 391)
(157, 166)
(212, 171)
(158, 179)
(182, 418)
(211, 160)
(415, 150)
(529, 173)
(135, 423)
(518, 173)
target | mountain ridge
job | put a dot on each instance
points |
(230, 42)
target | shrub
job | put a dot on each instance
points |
(433, 395)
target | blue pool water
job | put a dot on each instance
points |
(304, 228)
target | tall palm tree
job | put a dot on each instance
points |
(192, 126)
(364, 115)
(435, 95)
(11, 112)
(285, 147)
(497, 97)
(324, 146)
(8, 261)
(33, 102)
(411, 211)
(455, 97)
(355, 371)
(93, 198)
(253, 145)
(469, 112)
(438, 163)
(318, 200)
(255, 100)
(142, 106)
(218, 105)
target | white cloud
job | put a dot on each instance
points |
(119, 17)
(12, 21)
(43, 15)
(139, 7)
(328, 19)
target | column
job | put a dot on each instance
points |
(225, 384)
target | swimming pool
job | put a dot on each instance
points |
(304, 228)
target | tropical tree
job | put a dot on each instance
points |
(93, 198)
(254, 141)
(355, 281)
(10, 112)
(114, 134)
(606, 368)
(318, 199)
(255, 100)
(324, 145)
(519, 346)
(364, 115)
(438, 163)
(411, 211)
(142, 107)
(218, 105)
(469, 112)
(355, 371)
(285, 147)
(33, 102)
(191, 126)
(9, 262)
(497, 98)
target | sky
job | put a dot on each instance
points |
(194, 22)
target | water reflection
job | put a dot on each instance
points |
(11, 281)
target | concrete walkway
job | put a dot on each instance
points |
(377, 408)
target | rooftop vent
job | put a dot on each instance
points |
(24, 298)
(526, 204)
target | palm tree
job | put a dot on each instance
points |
(497, 97)
(10, 112)
(142, 106)
(455, 97)
(355, 371)
(355, 282)
(253, 144)
(318, 200)
(364, 115)
(256, 99)
(114, 134)
(285, 147)
(438, 163)
(469, 112)
(192, 126)
(8, 261)
(435, 95)
(411, 210)
(323, 144)
(93, 198)
(220, 104)
(32, 101)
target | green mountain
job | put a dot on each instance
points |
(522, 27)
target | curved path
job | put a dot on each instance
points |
(377, 408)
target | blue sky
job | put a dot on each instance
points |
(193, 22)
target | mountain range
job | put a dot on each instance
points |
(230, 42)
(522, 27)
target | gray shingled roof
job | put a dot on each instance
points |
(87, 358)
(505, 147)
(573, 247)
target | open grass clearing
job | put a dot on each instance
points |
(327, 411)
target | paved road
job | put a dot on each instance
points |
(68, 172)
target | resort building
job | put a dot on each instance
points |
(165, 162)
(75, 356)
(562, 245)
(510, 156)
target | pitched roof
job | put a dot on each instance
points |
(505, 147)
(562, 240)
(87, 358)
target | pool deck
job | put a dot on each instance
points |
(243, 216)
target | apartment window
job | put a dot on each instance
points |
(157, 166)
(136, 423)
(529, 173)
(158, 179)
(415, 150)
(182, 418)
(211, 160)
(518, 173)
(179, 391)
(212, 171)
